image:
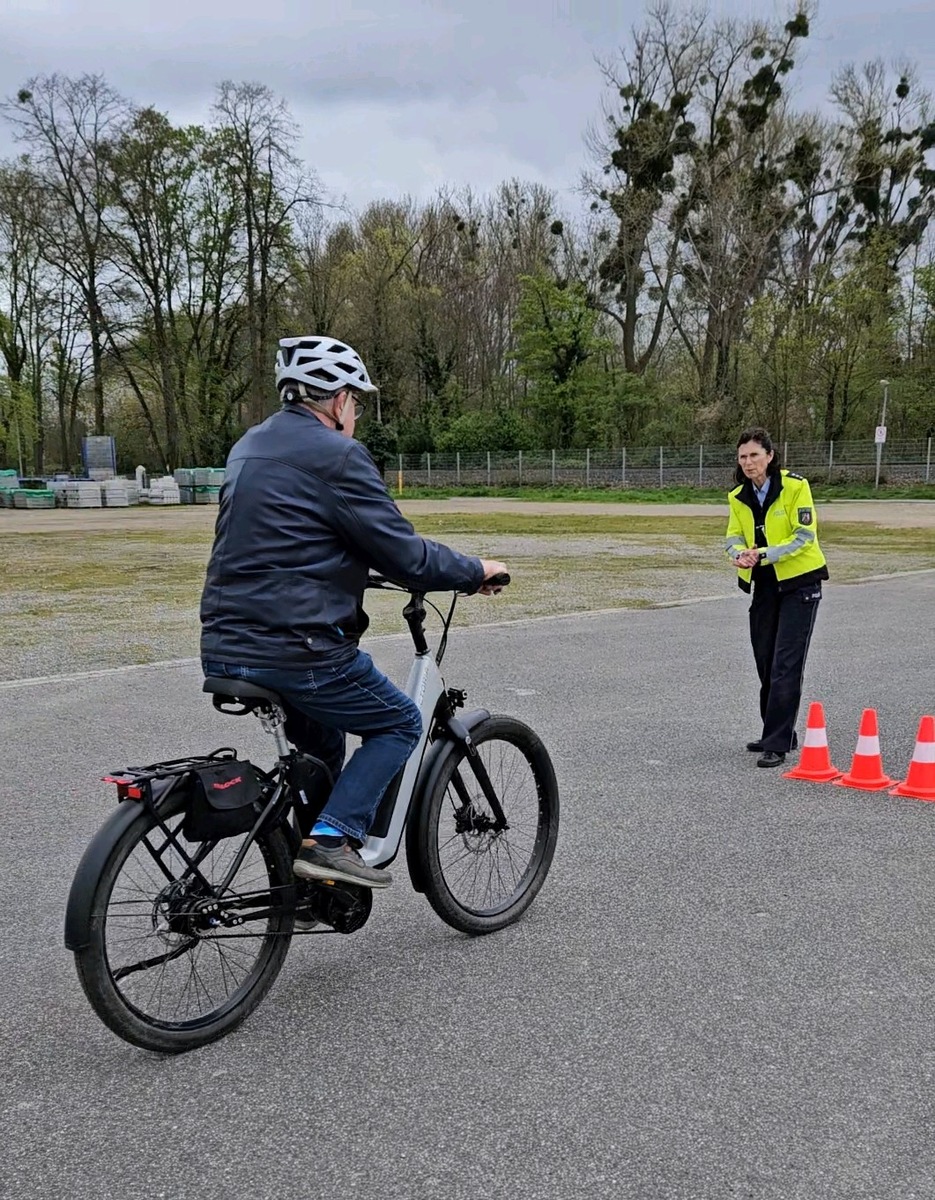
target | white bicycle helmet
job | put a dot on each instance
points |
(322, 363)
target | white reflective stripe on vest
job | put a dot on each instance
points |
(868, 745)
(816, 737)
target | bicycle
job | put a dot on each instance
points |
(176, 943)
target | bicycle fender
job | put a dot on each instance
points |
(93, 861)
(450, 742)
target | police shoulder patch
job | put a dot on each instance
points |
(805, 516)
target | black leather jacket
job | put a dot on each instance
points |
(303, 515)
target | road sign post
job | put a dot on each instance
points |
(880, 435)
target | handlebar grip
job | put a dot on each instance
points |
(500, 580)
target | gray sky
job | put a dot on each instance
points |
(403, 97)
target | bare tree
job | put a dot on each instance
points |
(259, 139)
(64, 123)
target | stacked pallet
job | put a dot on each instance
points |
(58, 487)
(199, 485)
(33, 498)
(185, 478)
(164, 491)
(115, 493)
(83, 493)
(208, 477)
(9, 482)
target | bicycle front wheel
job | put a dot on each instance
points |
(481, 875)
(163, 968)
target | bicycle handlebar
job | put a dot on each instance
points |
(414, 612)
(381, 581)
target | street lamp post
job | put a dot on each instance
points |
(880, 435)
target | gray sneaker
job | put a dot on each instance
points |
(338, 862)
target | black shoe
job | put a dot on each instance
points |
(756, 747)
(770, 758)
(338, 862)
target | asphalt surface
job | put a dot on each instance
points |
(725, 988)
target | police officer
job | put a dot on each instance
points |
(772, 540)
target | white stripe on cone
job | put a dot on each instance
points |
(817, 737)
(868, 745)
(924, 752)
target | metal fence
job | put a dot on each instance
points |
(659, 466)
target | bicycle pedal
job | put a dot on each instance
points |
(306, 924)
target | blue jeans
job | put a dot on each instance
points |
(338, 696)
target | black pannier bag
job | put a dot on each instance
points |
(225, 799)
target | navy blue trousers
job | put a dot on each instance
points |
(333, 698)
(781, 625)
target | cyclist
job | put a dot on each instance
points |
(304, 514)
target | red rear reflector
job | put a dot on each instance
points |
(125, 786)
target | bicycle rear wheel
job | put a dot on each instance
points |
(163, 970)
(480, 878)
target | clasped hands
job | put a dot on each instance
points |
(747, 558)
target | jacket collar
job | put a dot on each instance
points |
(746, 495)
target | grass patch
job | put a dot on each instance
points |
(559, 525)
(866, 491)
(878, 538)
(608, 495)
(110, 563)
(664, 495)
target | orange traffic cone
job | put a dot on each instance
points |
(920, 782)
(866, 770)
(815, 762)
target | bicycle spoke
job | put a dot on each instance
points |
(163, 972)
(486, 867)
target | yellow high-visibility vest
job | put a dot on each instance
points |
(791, 528)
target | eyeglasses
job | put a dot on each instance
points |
(360, 406)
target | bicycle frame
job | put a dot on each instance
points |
(425, 687)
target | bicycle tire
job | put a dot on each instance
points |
(442, 874)
(269, 854)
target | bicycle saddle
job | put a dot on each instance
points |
(247, 694)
